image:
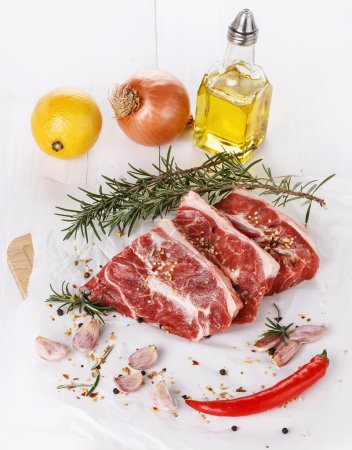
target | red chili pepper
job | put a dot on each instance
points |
(280, 393)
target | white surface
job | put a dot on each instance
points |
(304, 48)
(48, 417)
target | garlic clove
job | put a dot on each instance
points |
(50, 350)
(129, 383)
(143, 358)
(267, 342)
(162, 398)
(87, 336)
(285, 352)
(308, 333)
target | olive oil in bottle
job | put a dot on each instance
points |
(233, 99)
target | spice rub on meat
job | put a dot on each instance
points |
(278, 234)
(164, 280)
(251, 269)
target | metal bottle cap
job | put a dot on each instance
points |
(243, 30)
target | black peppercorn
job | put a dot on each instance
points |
(86, 275)
(115, 391)
(80, 324)
(234, 428)
(60, 312)
(140, 320)
(222, 372)
(284, 430)
(143, 372)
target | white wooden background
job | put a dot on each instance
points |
(304, 47)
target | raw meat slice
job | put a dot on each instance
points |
(164, 280)
(251, 269)
(278, 234)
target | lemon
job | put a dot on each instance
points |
(66, 122)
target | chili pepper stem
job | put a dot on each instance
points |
(324, 354)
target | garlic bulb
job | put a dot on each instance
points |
(87, 336)
(307, 333)
(50, 350)
(162, 398)
(143, 358)
(129, 383)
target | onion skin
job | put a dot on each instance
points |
(163, 110)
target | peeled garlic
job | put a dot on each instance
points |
(50, 350)
(308, 333)
(267, 342)
(162, 398)
(285, 352)
(143, 358)
(129, 383)
(87, 336)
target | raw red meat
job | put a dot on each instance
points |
(278, 234)
(251, 269)
(164, 280)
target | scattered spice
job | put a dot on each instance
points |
(234, 428)
(185, 397)
(66, 376)
(86, 274)
(60, 312)
(115, 391)
(143, 372)
(223, 372)
(195, 363)
(284, 430)
(140, 320)
(240, 389)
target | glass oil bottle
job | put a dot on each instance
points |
(233, 100)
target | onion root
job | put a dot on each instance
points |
(124, 100)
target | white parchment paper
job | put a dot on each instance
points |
(41, 417)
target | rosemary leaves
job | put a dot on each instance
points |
(95, 370)
(147, 195)
(80, 301)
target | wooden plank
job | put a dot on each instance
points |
(20, 255)
(126, 47)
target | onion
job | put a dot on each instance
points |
(152, 107)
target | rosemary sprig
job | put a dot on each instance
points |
(94, 385)
(146, 194)
(276, 328)
(77, 301)
(102, 359)
(95, 372)
(73, 386)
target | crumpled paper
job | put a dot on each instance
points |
(41, 417)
